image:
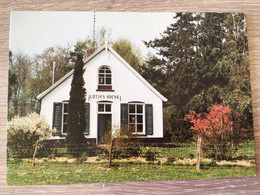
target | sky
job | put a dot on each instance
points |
(32, 32)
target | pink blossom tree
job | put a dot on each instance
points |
(218, 130)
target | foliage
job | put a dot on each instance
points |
(82, 158)
(43, 66)
(19, 81)
(202, 60)
(23, 132)
(170, 160)
(176, 129)
(149, 154)
(31, 75)
(76, 115)
(91, 44)
(219, 131)
(124, 144)
(129, 52)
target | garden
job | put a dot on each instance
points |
(154, 163)
(34, 159)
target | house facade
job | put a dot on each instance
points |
(117, 96)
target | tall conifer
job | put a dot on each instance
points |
(76, 114)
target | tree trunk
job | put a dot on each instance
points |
(198, 153)
(110, 153)
(35, 151)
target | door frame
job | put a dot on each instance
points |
(103, 108)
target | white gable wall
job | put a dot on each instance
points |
(125, 84)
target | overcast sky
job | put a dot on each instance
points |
(32, 32)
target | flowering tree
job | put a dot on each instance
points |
(25, 133)
(219, 131)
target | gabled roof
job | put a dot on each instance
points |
(106, 48)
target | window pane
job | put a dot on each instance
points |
(108, 108)
(101, 107)
(65, 119)
(101, 80)
(131, 118)
(108, 70)
(108, 81)
(102, 70)
(132, 127)
(65, 108)
(65, 128)
(139, 118)
(139, 108)
(139, 128)
(131, 108)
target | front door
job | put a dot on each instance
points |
(104, 125)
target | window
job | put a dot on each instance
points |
(60, 118)
(104, 108)
(136, 118)
(105, 79)
(65, 111)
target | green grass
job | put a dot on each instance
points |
(22, 173)
(185, 150)
(180, 151)
(248, 149)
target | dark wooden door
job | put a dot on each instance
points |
(104, 125)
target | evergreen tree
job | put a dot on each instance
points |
(76, 115)
(234, 65)
(207, 84)
(202, 60)
(176, 58)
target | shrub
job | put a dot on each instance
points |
(176, 129)
(23, 134)
(149, 154)
(219, 130)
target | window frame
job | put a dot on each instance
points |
(136, 114)
(105, 86)
(105, 110)
(63, 114)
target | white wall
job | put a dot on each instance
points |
(124, 83)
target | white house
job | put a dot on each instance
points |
(116, 95)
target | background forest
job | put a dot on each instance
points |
(201, 60)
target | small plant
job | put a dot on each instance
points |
(241, 157)
(82, 158)
(51, 156)
(69, 156)
(170, 160)
(191, 156)
(101, 156)
(213, 163)
(149, 154)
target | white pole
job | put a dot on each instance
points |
(53, 72)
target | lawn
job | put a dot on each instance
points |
(47, 171)
(22, 173)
